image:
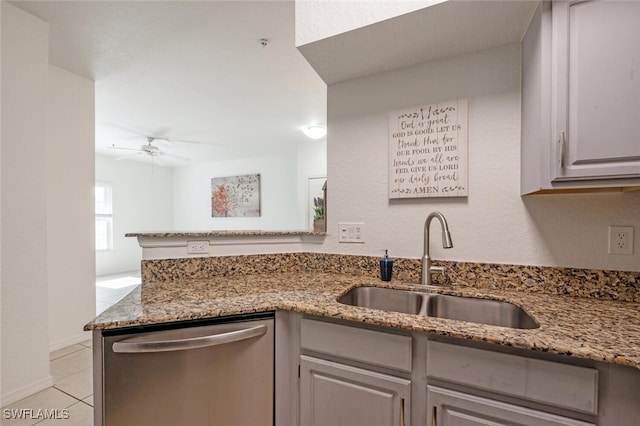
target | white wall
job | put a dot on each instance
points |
(70, 207)
(142, 202)
(1, 134)
(312, 163)
(278, 189)
(493, 224)
(25, 342)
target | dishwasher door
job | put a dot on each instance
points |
(218, 374)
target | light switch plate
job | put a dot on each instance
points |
(351, 232)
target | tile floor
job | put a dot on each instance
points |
(72, 390)
(71, 369)
(111, 288)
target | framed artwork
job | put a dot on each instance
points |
(428, 151)
(235, 196)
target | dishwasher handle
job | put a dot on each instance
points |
(191, 343)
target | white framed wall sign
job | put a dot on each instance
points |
(428, 151)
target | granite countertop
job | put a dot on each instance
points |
(602, 330)
(214, 234)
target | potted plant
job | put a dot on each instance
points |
(318, 215)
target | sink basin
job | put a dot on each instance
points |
(471, 309)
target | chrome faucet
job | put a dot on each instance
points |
(427, 269)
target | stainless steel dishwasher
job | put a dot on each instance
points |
(188, 373)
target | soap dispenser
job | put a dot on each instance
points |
(386, 267)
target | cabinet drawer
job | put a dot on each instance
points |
(447, 407)
(358, 344)
(546, 382)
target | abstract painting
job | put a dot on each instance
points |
(235, 196)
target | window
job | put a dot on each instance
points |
(104, 217)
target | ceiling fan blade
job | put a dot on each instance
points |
(124, 148)
(185, 141)
(125, 129)
(129, 156)
(177, 157)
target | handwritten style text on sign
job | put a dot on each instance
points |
(428, 151)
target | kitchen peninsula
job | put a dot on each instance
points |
(184, 289)
(588, 319)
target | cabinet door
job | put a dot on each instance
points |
(333, 394)
(451, 408)
(596, 89)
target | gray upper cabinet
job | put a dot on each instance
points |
(581, 97)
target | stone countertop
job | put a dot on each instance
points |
(594, 329)
(214, 234)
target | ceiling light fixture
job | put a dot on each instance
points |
(315, 131)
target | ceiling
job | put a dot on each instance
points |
(443, 29)
(188, 71)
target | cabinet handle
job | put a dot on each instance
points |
(561, 150)
(434, 416)
(402, 412)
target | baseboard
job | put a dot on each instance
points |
(25, 391)
(68, 341)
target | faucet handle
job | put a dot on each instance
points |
(436, 270)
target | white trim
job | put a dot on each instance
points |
(25, 391)
(68, 341)
(147, 243)
(172, 247)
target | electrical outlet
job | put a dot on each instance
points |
(351, 232)
(621, 240)
(194, 247)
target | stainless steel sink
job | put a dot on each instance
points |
(471, 309)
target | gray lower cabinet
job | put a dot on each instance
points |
(537, 381)
(349, 374)
(353, 376)
(471, 386)
(451, 408)
(333, 394)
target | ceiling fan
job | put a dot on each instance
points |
(151, 150)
